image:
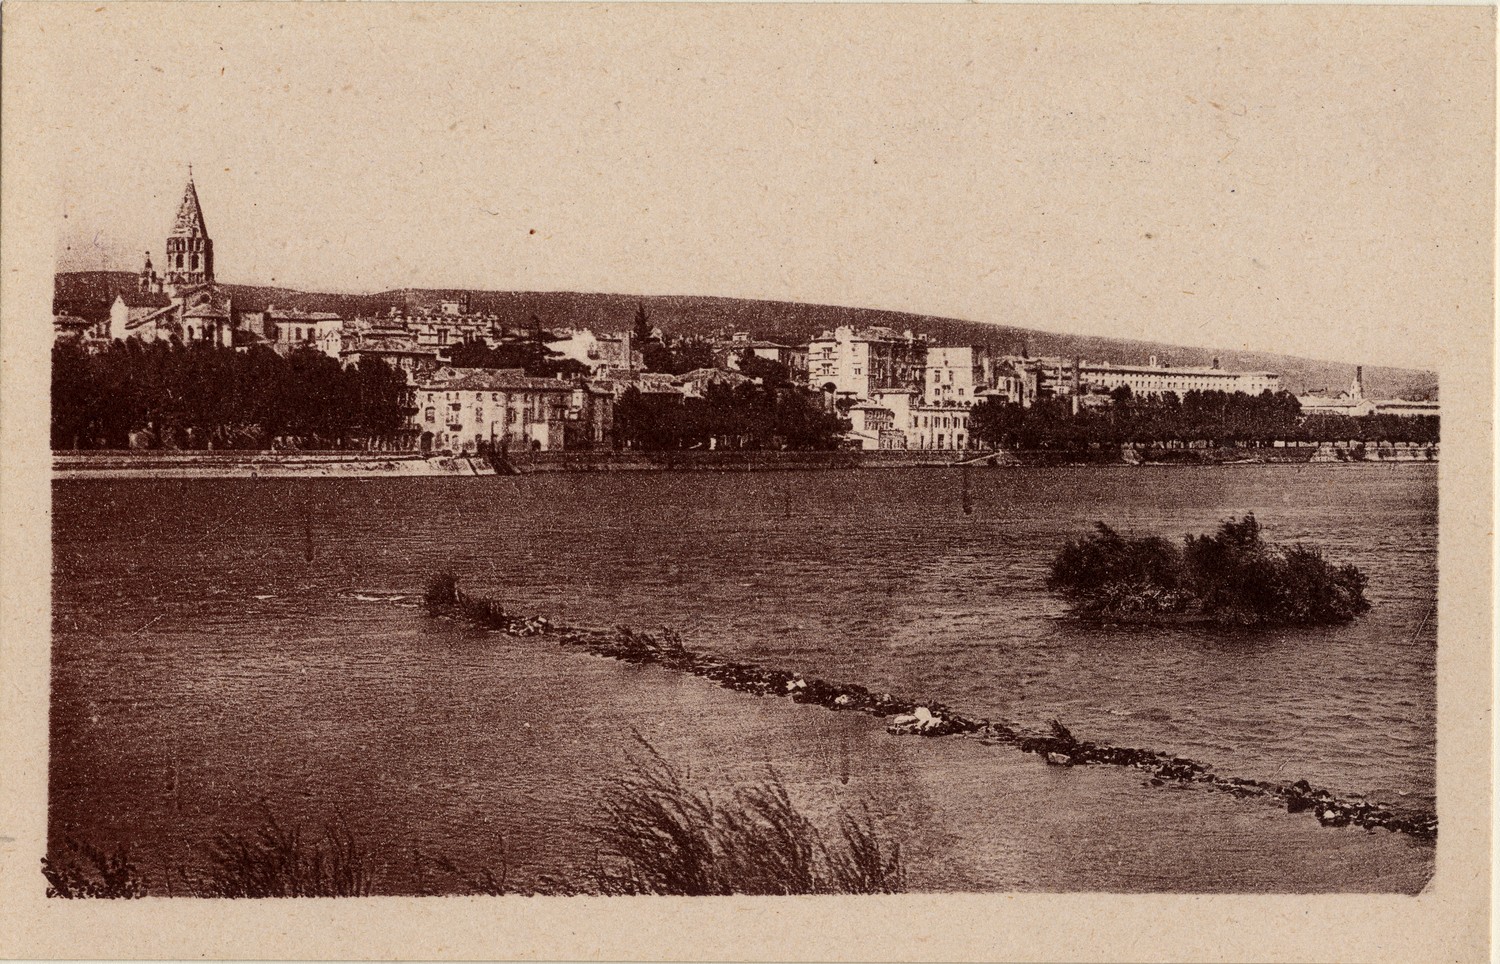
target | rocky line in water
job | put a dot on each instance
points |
(930, 719)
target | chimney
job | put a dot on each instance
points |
(1359, 381)
(1216, 364)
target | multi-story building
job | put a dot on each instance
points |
(941, 425)
(792, 357)
(855, 364)
(605, 355)
(285, 329)
(389, 341)
(874, 427)
(479, 410)
(957, 374)
(1157, 379)
(1029, 379)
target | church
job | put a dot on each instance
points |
(183, 300)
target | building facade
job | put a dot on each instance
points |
(1156, 379)
(956, 375)
(480, 410)
(1353, 403)
(854, 364)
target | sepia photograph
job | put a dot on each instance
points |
(631, 451)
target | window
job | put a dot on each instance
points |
(431, 414)
(960, 392)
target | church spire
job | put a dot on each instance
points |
(189, 221)
(190, 251)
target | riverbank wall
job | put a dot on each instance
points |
(251, 465)
(197, 464)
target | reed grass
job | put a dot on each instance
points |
(280, 860)
(662, 836)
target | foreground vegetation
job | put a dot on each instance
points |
(1232, 577)
(657, 834)
(662, 836)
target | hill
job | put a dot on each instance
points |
(89, 294)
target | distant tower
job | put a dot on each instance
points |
(1357, 390)
(190, 251)
(150, 283)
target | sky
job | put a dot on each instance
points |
(1316, 181)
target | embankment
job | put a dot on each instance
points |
(244, 465)
(251, 465)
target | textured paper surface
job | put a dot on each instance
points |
(49, 50)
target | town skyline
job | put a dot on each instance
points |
(984, 172)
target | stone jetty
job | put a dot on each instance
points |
(925, 718)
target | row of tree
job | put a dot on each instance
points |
(746, 416)
(1222, 418)
(204, 396)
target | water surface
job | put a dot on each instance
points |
(226, 646)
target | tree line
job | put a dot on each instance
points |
(166, 394)
(1220, 418)
(746, 416)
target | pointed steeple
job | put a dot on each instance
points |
(189, 221)
(190, 251)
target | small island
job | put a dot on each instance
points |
(1233, 577)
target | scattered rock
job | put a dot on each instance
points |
(1058, 747)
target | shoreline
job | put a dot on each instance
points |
(366, 465)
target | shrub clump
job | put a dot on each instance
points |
(1231, 577)
(82, 870)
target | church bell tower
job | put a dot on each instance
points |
(190, 251)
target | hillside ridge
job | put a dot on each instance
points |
(90, 293)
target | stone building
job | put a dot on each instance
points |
(479, 410)
(956, 375)
(854, 364)
(924, 425)
(183, 301)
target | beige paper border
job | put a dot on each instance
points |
(1447, 922)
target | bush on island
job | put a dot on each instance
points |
(1230, 577)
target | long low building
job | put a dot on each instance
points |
(1353, 403)
(1155, 379)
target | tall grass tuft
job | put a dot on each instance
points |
(85, 871)
(277, 860)
(662, 836)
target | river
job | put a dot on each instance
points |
(227, 648)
